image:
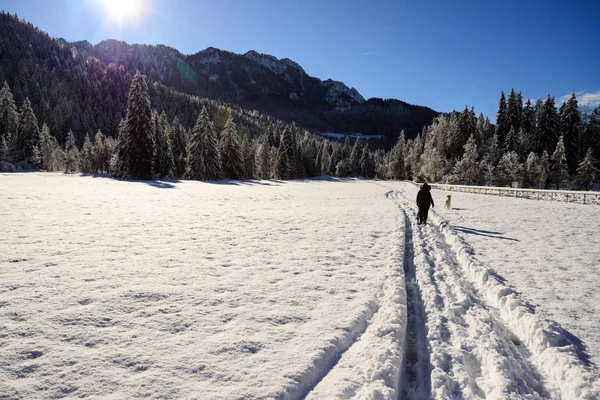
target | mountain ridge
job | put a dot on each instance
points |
(279, 87)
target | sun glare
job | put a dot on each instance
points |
(122, 12)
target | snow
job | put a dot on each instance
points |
(500, 267)
(168, 290)
(317, 289)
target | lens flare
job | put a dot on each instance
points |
(122, 12)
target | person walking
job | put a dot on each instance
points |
(424, 200)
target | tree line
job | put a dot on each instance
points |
(531, 145)
(149, 146)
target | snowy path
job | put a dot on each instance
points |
(483, 340)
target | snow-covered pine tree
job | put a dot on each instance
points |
(395, 165)
(468, 168)
(272, 134)
(549, 125)
(367, 167)
(178, 147)
(342, 169)
(3, 149)
(71, 154)
(163, 159)
(559, 163)
(285, 166)
(51, 153)
(86, 159)
(8, 120)
(203, 159)
(336, 157)
(136, 147)
(509, 169)
(482, 130)
(528, 126)
(511, 143)
(514, 111)
(231, 153)
(263, 159)
(593, 133)
(248, 150)
(586, 171)
(502, 121)
(101, 159)
(354, 160)
(544, 170)
(571, 129)
(432, 162)
(532, 170)
(28, 136)
(347, 147)
(325, 159)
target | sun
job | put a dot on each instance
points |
(122, 12)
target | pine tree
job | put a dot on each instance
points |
(163, 159)
(263, 160)
(571, 129)
(285, 167)
(347, 148)
(468, 167)
(8, 119)
(482, 130)
(136, 147)
(178, 147)
(86, 161)
(101, 158)
(511, 142)
(248, 150)
(28, 136)
(203, 156)
(544, 170)
(231, 154)
(272, 135)
(509, 169)
(549, 125)
(354, 159)
(593, 132)
(395, 166)
(366, 163)
(586, 171)
(532, 169)
(559, 163)
(51, 153)
(502, 121)
(514, 110)
(336, 157)
(325, 159)
(71, 154)
(3, 149)
(528, 125)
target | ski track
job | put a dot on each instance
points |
(371, 367)
(470, 354)
(484, 340)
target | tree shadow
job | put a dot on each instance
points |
(247, 182)
(458, 209)
(479, 232)
(160, 184)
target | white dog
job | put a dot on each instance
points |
(448, 201)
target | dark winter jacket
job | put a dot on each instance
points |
(424, 198)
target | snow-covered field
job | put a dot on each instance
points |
(308, 289)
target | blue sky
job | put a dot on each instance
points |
(444, 54)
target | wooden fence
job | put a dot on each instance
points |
(568, 196)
